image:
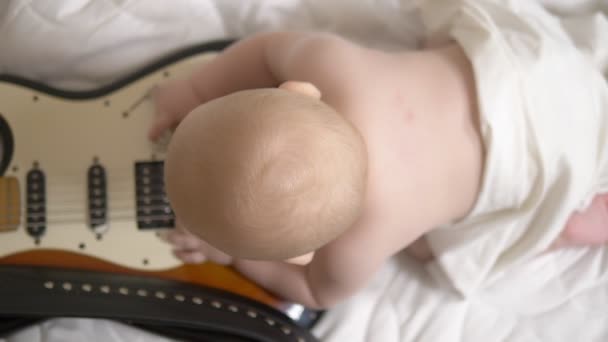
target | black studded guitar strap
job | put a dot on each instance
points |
(187, 312)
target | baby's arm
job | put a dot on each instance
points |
(337, 271)
(240, 66)
(254, 62)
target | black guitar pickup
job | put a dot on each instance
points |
(36, 202)
(97, 197)
(153, 209)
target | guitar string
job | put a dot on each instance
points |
(115, 177)
(118, 219)
(143, 213)
(127, 210)
(80, 208)
(63, 193)
(143, 202)
(72, 201)
(111, 219)
(65, 177)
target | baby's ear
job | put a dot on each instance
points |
(304, 88)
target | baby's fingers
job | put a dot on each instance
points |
(190, 257)
(182, 240)
(162, 123)
(215, 255)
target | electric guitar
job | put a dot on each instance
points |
(81, 186)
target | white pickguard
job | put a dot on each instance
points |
(64, 136)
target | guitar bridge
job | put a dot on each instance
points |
(153, 209)
(10, 204)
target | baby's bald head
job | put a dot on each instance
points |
(266, 173)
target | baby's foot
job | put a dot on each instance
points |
(587, 228)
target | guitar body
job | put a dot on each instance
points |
(62, 139)
(81, 186)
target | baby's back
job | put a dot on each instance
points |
(416, 112)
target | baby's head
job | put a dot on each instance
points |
(268, 173)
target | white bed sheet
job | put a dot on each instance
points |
(81, 44)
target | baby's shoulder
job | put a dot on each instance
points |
(330, 62)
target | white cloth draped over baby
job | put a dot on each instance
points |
(543, 105)
(544, 109)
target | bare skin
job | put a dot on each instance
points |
(425, 156)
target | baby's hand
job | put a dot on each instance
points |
(173, 101)
(192, 250)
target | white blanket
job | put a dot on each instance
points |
(560, 296)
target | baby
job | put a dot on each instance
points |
(272, 165)
(290, 143)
